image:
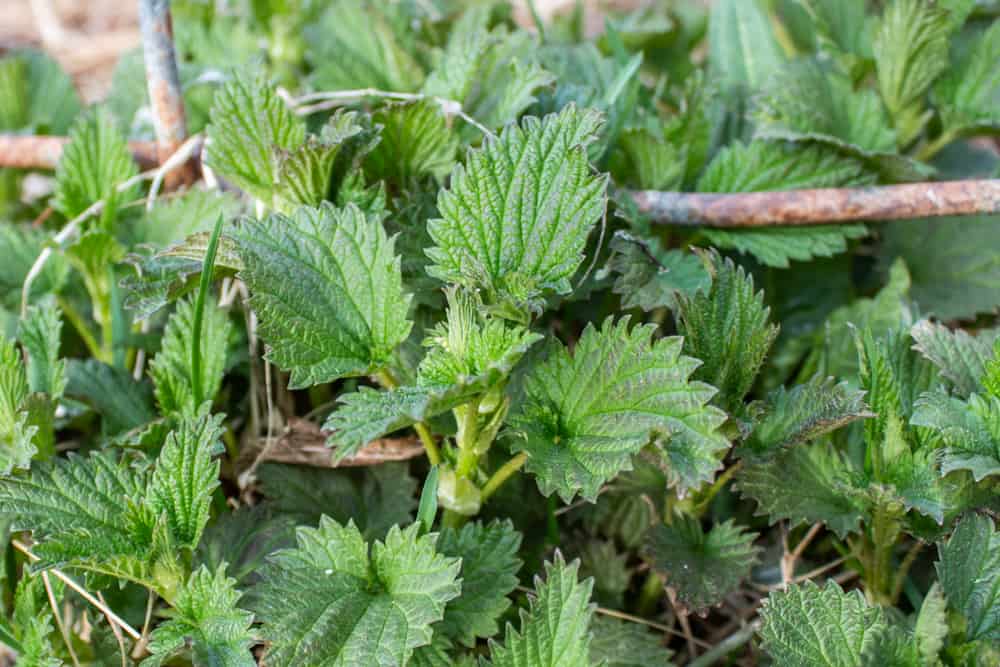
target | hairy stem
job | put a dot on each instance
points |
(505, 472)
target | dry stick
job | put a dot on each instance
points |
(59, 620)
(118, 635)
(821, 207)
(184, 152)
(112, 617)
(789, 559)
(163, 81)
(43, 151)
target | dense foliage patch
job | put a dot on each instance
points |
(407, 378)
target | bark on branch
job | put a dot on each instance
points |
(43, 151)
(821, 207)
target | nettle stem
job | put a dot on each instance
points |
(879, 577)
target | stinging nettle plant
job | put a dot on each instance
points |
(409, 376)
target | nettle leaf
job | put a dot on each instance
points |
(955, 263)
(584, 415)
(20, 247)
(123, 403)
(650, 277)
(249, 123)
(489, 574)
(356, 45)
(383, 497)
(806, 625)
(305, 173)
(470, 354)
(804, 413)
(32, 625)
(336, 601)
(644, 159)
(16, 434)
(744, 52)
(967, 94)
(770, 165)
(516, 217)
(805, 484)
(969, 571)
(455, 74)
(416, 141)
(39, 333)
(728, 329)
(702, 567)
(172, 220)
(242, 540)
(47, 100)
(841, 24)
(911, 51)
(622, 644)
(345, 312)
(185, 477)
(961, 358)
(205, 622)
(94, 162)
(554, 629)
(171, 368)
(970, 431)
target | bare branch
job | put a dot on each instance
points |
(821, 207)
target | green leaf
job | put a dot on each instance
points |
(93, 164)
(305, 172)
(602, 561)
(171, 369)
(123, 403)
(768, 165)
(911, 51)
(355, 44)
(744, 52)
(382, 497)
(16, 434)
(646, 160)
(186, 476)
(702, 567)
(554, 629)
(806, 626)
(416, 141)
(46, 100)
(968, 92)
(40, 333)
(489, 574)
(345, 312)
(206, 623)
(805, 484)
(32, 621)
(650, 277)
(470, 354)
(250, 123)
(804, 413)
(931, 626)
(584, 415)
(959, 357)
(20, 247)
(336, 601)
(969, 571)
(969, 430)
(955, 263)
(841, 24)
(728, 329)
(242, 540)
(173, 220)
(455, 75)
(621, 644)
(517, 215)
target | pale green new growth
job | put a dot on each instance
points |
(516, 217)
(39, 333)
(16, 447)
(185, 477)
(171, 368)
(702, 567)
(206, 623)
(249, 124)
(336, 601)
(326, 285)
(728, 329)
(416, 141)
(969, 570)
(586, 414)
(92, 165)
(806, 626)
(554, 629)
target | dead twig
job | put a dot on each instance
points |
(163, 81)
(821, 207)
(43, 151)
